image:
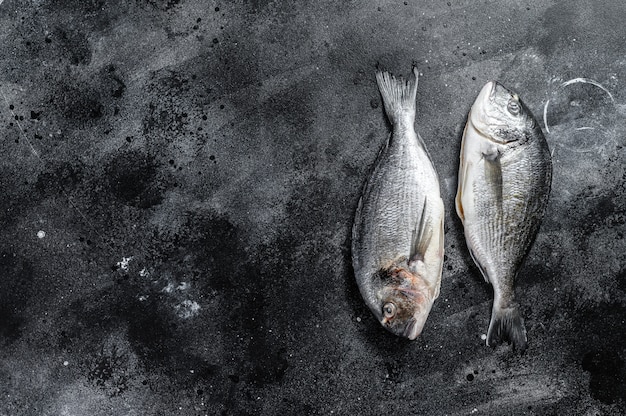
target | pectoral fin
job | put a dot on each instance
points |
(461, 187)
(422, 234)
(440, 253)
(462, 179)
(493, 174)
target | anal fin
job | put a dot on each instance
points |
(477, 263)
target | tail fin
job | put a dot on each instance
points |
(398, 95)
(507, 325)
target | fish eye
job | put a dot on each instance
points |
(389, 310)
(513, 107)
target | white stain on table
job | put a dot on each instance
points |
(187, 309)
(123, 264)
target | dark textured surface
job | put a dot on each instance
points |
(196, 173)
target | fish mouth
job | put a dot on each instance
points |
(484, 113)
(494, 85)
(482, 102)
(412, 329)
(487, 93)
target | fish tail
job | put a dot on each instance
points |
(398, 95)
(507, 324)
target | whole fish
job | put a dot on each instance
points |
(397, 237)
(504, 182)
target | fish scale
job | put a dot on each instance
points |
(394, 204)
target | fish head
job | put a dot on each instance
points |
(405, 302)
(499, 114)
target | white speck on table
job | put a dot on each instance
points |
(168, 288)
(123, 264)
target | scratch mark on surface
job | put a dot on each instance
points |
(43, 162)
(589, 81)
(19, 125)
(570, 82)
(545, 116)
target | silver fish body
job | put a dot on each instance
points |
(397, 237)
(504, 182)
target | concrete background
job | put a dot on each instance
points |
(179, 178)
